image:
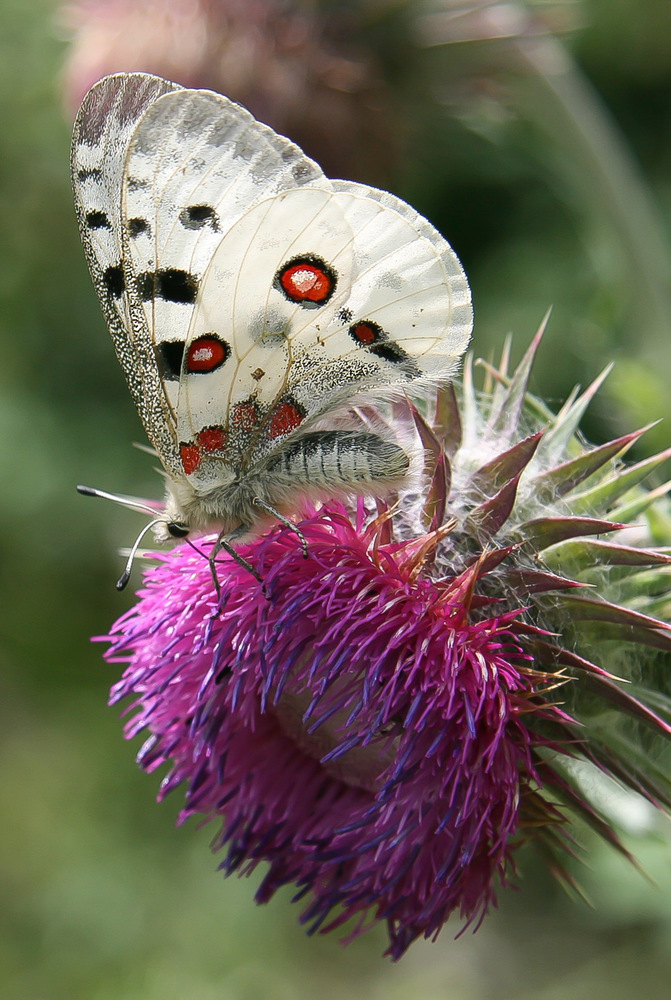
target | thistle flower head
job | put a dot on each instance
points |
(383, 722)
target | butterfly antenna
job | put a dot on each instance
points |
(90, 491)
(125, 576)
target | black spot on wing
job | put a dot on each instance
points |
(169, 357)
(92, 173)
(198, 216)
(372, 338)
(137, 226)
(389, 351)
(170, 283)
(114, 280)
(97, 220)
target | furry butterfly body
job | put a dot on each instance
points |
(252, 302)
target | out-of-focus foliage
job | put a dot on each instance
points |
(551, 179)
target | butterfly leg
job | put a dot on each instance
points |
(223, 542)
(285, 521)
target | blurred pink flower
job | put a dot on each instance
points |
(294, 69)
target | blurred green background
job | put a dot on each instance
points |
(547, 164)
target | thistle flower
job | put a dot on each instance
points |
(385, 721)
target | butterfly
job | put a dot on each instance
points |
(253, 302)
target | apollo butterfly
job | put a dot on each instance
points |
(253, 302)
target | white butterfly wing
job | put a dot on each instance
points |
(195, 164)
(157, 183)
(408, 281)
(398, 312)
(103, 128)
(265, 333)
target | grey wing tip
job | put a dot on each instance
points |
(124, 96)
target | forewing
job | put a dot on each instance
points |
(104, 126)
(197, 163)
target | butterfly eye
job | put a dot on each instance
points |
(308, 280)
(206, 354)
(177, 529)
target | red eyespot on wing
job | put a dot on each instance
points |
(212, 439)
(307, 279)
(245, 416)
(190, 456)
(285, 418)
(206, 354)
(365, 333)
